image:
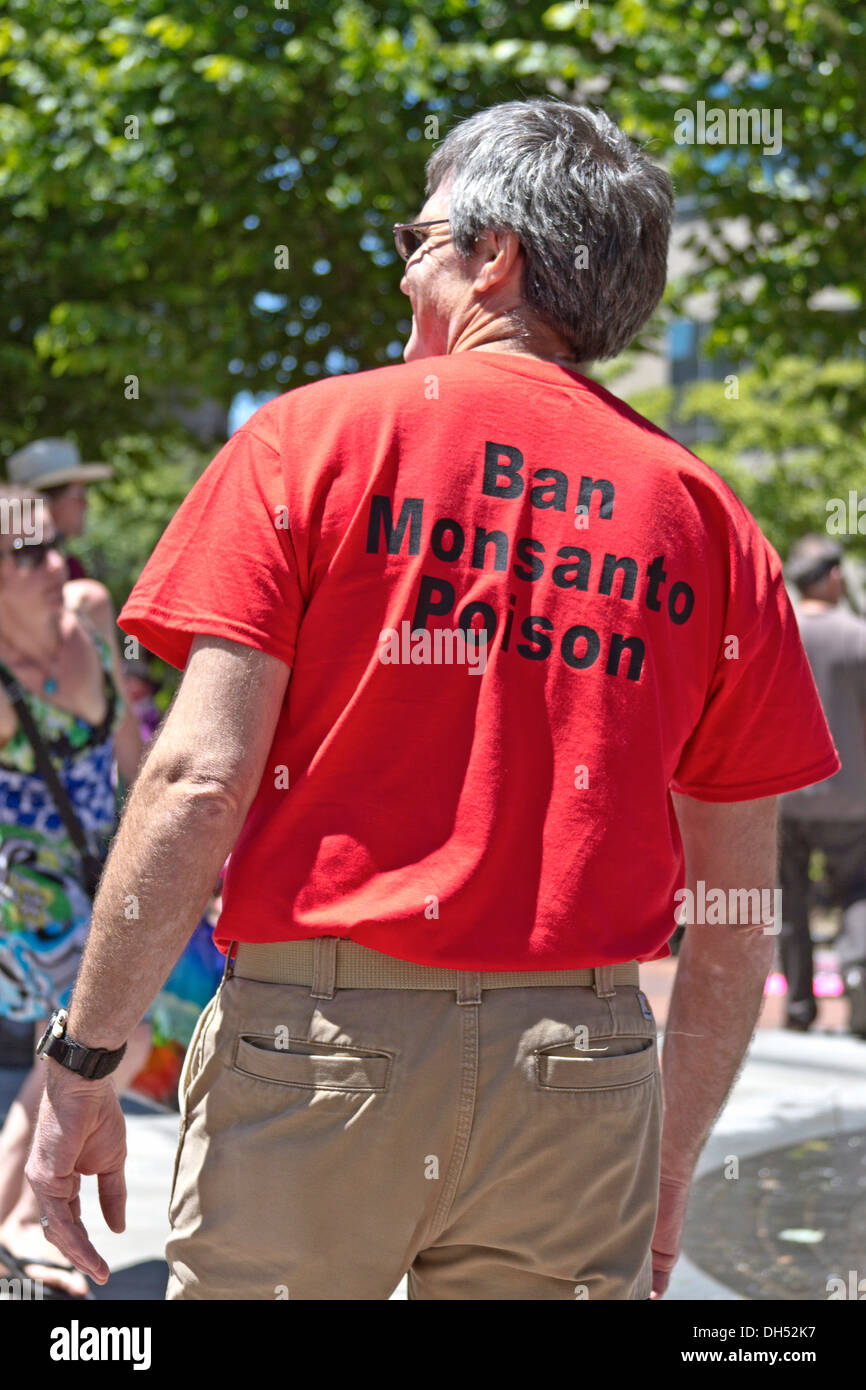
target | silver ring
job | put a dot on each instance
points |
(43, 1220)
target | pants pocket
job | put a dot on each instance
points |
(298, 1062)
(604, 1064)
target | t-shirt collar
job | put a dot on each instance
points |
(542, 369)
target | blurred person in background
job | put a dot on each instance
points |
(140, 687)
(54, 468)
(70, 672)
(829, 815)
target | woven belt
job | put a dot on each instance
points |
(359, 967)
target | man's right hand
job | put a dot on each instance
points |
(80, 1130)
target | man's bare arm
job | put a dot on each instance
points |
(181, 819)
(717, 993)
(183, 815)
(721, 971)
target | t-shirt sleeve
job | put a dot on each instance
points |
(225, 564)
(763, 730)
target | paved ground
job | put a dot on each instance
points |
(779, 1202)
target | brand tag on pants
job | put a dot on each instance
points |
(644, 1005)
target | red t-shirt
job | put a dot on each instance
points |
(640, 639)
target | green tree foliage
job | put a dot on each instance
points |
(775, 231)
(782, 442)
(128, 513)
(156, 154)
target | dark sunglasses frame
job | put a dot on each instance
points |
(28, 555)
(407, 238)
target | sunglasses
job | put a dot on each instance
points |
(27, 555)
(408, 238)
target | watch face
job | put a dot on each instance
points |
(92, 1063)
(56, 1029)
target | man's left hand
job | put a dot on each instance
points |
(673, 1200)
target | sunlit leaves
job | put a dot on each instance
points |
(137, 142)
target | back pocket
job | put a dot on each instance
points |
(316, 1066)
(607, 1064)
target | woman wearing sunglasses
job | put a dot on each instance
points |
(68, 666)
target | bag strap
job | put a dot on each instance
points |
(90, 864)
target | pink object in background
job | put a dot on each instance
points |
(828, 985)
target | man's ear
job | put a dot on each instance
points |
(489, 248)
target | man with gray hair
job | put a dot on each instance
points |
(831, 816)
(430, 1052)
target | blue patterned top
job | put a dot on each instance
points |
(83, 754)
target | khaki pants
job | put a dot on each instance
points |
(496, 1143)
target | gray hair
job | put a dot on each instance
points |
(562, 178)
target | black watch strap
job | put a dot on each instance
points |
(90, 1062)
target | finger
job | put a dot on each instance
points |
(663, 1261)
(112, 1199)
(70, 1238)
(69, 1235)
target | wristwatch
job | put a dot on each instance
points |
(89, 1062)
